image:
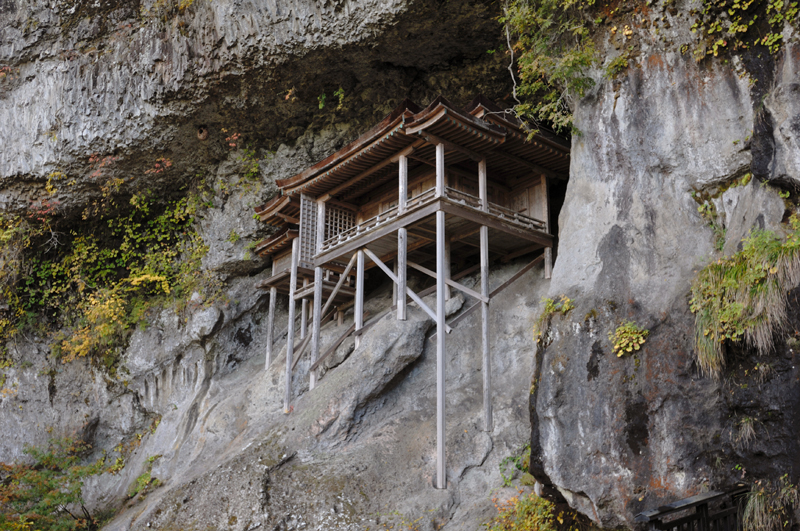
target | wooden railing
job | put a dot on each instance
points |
(503, 213)
(426, 197)
(713, 511)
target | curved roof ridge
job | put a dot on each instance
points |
(406, 106)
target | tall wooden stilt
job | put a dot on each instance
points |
(548, 251)
(359, 306)
(402, 261)
(440, 177)
(317, 310)
(315, 325)
(402, 241)
(273, 295)
(287, 397)
(394, 284)
(447, 292)
(486, 360)
(304, 313)
(441, 354)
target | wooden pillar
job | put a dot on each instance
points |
(394, 284)
(440, 180)
(441, 357)
(402, 259)
(273, 295)
(304, 313)
(548, 251)
(486, 360)
(287, 397)
(447, 292)
(359, 306)
(402, 241)
(317, 315)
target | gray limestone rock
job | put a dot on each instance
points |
(617, 435)
(748, 207)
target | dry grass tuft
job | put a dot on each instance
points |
(743, 297)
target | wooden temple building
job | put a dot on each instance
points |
(424, 188)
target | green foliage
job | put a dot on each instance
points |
(528, 512)
(552, 38)
(554, 43)
(521, 461)
(619, 64)
(145, 482)
(98, 279)
(743, 297)
(46, 494)
(339, 93)
(321, 100)
(769, 505)
(562, 304)
(735, 25)
(627, 338)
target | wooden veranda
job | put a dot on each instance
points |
(422, 189)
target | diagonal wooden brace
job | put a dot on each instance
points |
(411, 294)
(450, 283)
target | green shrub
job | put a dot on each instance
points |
(769, 505)
(97, 279)
(47, 494)
(743, 297)
(561, 304)
(529, 512)
(552, 38)
(510, 464)
(145, 481)
(628, 337)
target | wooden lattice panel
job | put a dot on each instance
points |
(337, 220)
(308, 231)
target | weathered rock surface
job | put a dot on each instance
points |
(100, 91)
(130, 82)
(619, 435)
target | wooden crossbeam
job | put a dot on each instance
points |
(449, 282)
(410, 293)
(521, 252)
(339, 284)
(307, 340)
(530, 165)
(433, 139)
(465, 234)
(288, 219)
(333, 347)
(493, 248)
(497, 290)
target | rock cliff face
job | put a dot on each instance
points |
(135, 81)
(618, 435)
